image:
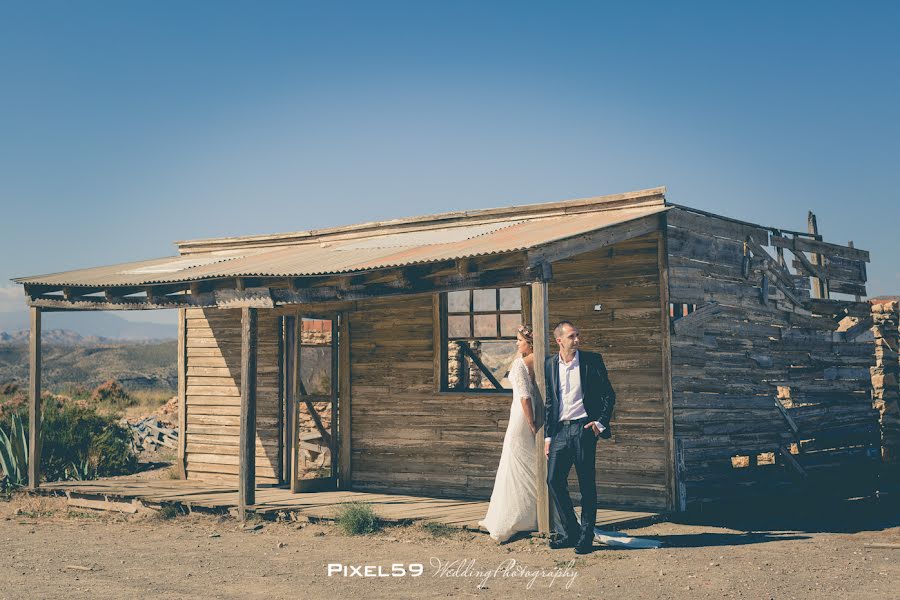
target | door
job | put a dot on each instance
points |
(311, 367)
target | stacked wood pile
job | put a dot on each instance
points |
(758, 364)
(885, 390)
(151, 434)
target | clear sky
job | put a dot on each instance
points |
(127, 125)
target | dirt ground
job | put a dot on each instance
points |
(52, 552)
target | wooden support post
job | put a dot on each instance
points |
(540, 318)
(295, 403)
(247, 457)
(666, 329)
(34, 406)
(182, 393)
(333, 448)
(344, 400)
(819, 286)
(290, 401)
(856, 297)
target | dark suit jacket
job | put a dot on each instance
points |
(599, 397)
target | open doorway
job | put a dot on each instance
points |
(311, 394)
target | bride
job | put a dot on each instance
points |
(513, 504)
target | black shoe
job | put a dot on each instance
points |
(584, 548)
(562, 543)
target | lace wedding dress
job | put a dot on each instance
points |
(513, 504)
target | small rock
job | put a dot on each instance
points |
(214, 535)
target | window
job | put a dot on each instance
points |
(480, 338)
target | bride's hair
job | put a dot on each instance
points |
(527, 333)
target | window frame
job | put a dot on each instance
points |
(442, 338)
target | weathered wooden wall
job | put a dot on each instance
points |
(407, 438)
(213, 395)
(732, 353)
(625, 280)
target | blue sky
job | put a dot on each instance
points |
(127, 125)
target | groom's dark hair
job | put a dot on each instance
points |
(557, 331)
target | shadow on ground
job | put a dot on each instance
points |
(799, 514)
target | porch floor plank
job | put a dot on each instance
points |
(270, 499)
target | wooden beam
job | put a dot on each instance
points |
(508, 277)
(344, 400)
(662, 261)
(858, 297)
(333, 447)
(295, 399)
(814, 271)
(439, 340)
(290, 400)
(34, 406)
(281, 461)
(819, 286)
(818, 247)
(259, 297)
(540, 317)
(247, 457)
(585, 242)
(182, 393)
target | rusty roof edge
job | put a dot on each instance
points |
(185, 275)
(449, 219)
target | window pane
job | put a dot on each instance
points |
(510, 299)
(498, 358)
(315, 455)
(509, 325)
(458, 301)
(458, 327)
(464, 374)
(486, 326)
(315, 369)
(485, 300)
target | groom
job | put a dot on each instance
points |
(578, 406)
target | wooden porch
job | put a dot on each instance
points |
(120, 494)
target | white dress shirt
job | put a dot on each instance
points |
(571, 396)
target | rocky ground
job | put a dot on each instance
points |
(850, 550)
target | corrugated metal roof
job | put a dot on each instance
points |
(351, 255)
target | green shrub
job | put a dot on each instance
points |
(75, 435)
(111, 393)
(357, 518)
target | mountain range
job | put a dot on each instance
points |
(83, 326)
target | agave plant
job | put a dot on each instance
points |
(14, 455)
(83, 472)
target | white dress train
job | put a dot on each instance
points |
(513, 504)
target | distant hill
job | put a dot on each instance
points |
(73, 360)
(91, 324)
(53, 336)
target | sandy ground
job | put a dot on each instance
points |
(52, 552)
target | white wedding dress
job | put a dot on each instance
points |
(513, 504)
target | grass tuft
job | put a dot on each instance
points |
(358, 518)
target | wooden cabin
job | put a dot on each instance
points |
(374, 357)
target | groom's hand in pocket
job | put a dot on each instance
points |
(547, 448)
